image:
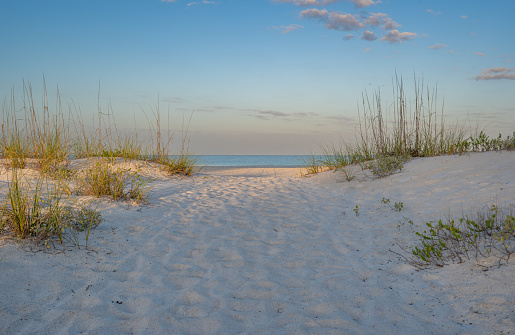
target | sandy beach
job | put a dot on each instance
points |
(266, 251)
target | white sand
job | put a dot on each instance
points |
(263, 251)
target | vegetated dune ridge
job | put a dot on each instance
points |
(264, 251)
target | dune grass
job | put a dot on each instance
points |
(388, 137)
(48, 141)
(54, 138)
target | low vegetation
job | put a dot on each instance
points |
(389, 138)
(490, 233)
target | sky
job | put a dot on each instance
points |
(261, 76)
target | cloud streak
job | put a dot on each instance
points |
(438, 46)
(288, 29)
(268, 114)
(202, 2)
(496, 73)
(430, 11)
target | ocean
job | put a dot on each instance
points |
(254, 160)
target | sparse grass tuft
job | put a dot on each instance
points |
(312, 165)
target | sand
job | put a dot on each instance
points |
(264, 251)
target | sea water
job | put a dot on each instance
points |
(254, 160)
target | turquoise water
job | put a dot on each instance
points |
(254, 160)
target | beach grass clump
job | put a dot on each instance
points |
(28, 212)
(104, 180)
(184, 164)
(416, 129)
(14, 148)
(408, 128)
(490, 233)
(53, 138)
(37, 135)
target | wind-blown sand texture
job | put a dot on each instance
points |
(264, 251)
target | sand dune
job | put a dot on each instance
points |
(264, 251)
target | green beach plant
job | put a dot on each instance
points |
(398, 206)
(348, 174)
(356, 210)
(490, 233)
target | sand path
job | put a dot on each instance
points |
(270, 253)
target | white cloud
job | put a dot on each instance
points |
(364, 3)
(390, 25)
(464, 17)
(367, 49)
(288, 29)
(394, 36)
(368, 36)
(377, 19)
(351, 22)
(479, 53)
(438, 46)
(345, 22)
(496, 73)
(314, 13)
(168, 0)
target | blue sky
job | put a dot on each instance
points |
(262, 76)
